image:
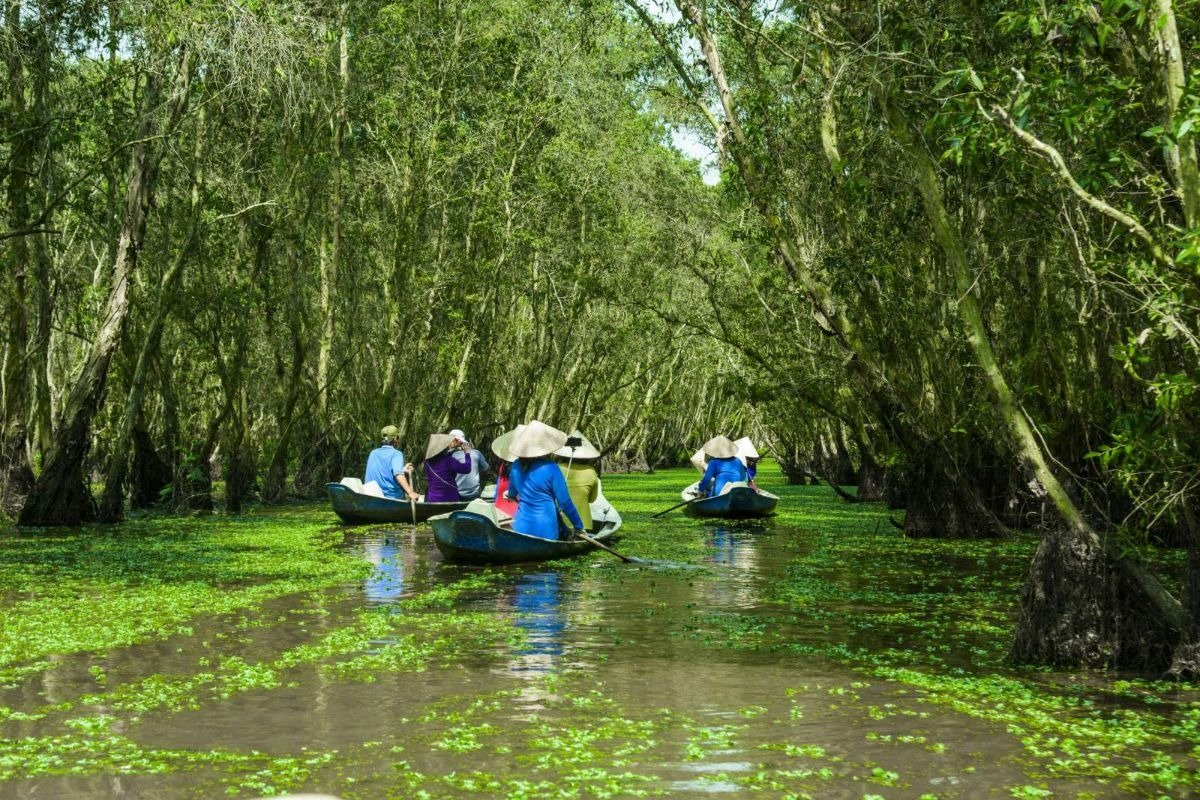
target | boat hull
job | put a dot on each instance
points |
(740, 502)
(471, 538)
(356, 508)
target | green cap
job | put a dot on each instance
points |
(390, 432)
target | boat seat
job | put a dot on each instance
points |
(486, 509)
(371, 488)
(353, 484)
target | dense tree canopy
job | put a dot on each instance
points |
(952, 257)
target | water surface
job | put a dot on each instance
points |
(807, 655)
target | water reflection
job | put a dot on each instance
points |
(735, 547)
(386, 581)
(537, 599)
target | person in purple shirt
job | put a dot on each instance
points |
(441, 468)
(538, 484)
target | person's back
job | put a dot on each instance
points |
(383, 465)
(719, 472)
(583, 484)
(440, 473)
(541, 493)
(469, 483)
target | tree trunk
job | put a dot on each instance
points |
(872, 478)
(275, 480)
(331, 260)
(1067, 617)
(1185, 661)
(239, 464)
(1180, 153)
(60, 496)
(149, 474)
(112, 500)
(942, 500)
(40, 411)
(16, 477)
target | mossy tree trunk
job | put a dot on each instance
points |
(1081, 605)
(60, 496)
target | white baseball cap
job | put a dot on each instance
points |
(457, 434)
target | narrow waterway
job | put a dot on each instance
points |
(736, 665)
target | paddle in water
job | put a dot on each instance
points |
(677, 505)
(603, 546)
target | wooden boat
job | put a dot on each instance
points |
(478, 538)
(738, 501)
(357, 508)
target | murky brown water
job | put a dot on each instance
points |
(610, 658)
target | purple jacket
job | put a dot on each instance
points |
(439, 475)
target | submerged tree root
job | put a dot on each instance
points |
(1082, 607)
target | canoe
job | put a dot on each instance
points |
(476, 538)
(356, 508)
(738, 501)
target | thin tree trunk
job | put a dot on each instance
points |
(1180, 153)
(60, 496)
(40, 406)
(331, 261)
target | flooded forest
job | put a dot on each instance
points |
(939, 261)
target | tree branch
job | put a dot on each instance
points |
(1054, 157)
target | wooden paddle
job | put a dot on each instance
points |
(603, 546)
(412, 501)
(677, 505)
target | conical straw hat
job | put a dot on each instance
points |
(584, 451)
(538, 439)
(698, 460)
(746, 448)
(720, 447)
(500, 443)
(438, 442)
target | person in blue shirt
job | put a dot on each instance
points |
(723, 466)
(386, 467)
(538, 485)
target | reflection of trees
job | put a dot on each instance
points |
(734, 548)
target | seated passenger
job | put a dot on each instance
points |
(748, 455)
(441, 468)
(504, 472)
(538, 485)
(723, 466)
(385, 466)
(578, 467)
(469, 484)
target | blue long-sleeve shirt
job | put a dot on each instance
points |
(541, 492)
(719, 472)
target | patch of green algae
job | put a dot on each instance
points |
(99, 588)
(931, 619)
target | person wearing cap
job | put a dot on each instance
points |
(748, 455)
(576, 459)
(442, 468)
(538, 485)
(469, 485)
(723, 466)
(385, 466)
